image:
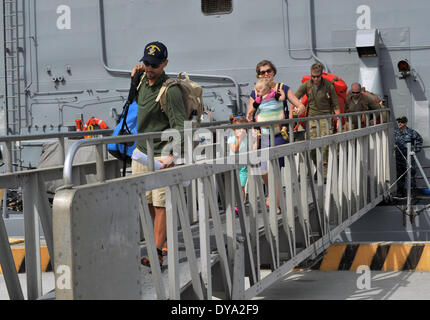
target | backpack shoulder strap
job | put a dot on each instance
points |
(162, 94)
(141, 81)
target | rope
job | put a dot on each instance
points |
(406, 171)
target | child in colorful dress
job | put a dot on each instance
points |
(268, 106)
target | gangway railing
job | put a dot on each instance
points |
(97, 227)
(9, 143)
(35, 206)
(8, 140)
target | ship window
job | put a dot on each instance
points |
(217, 6)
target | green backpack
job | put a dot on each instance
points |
(192, 94)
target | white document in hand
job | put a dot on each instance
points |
(142, 158)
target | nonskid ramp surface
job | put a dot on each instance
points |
(148, 287)
(147, 281)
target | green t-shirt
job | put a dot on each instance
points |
(151, 118)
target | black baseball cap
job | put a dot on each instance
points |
(402, 119)
(155, 53)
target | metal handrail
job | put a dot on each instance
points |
(153, 135)
(9, 139)
(43, 136)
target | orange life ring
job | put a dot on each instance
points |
(92, 124)
(95, 122)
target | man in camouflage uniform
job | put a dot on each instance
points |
(322, 100)
(402, 136)
(357, 101)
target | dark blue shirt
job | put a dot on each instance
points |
(402, 137)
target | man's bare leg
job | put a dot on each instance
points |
(160, 232)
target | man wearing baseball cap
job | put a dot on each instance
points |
(151, 118)
(402, 135)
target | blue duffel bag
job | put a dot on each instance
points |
(117, 149)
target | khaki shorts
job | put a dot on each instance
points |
(156, 197)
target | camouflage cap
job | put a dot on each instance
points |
(402, 119)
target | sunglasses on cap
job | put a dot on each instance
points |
(153, 66)
(261, 72)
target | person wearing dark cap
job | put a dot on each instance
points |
(402, 136)
(151, 118)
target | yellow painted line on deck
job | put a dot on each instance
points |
(333, 257)
(15, 241)
(383, 256)
(424, 263)
(397, 255)
(19, 258)
(364, 256)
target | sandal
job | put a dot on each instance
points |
(278, 210)
(164, 252)
(145, 260)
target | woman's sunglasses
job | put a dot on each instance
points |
(261, 72)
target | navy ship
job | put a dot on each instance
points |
(68, 60)
(64, 59)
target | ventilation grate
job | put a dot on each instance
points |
(217, 6)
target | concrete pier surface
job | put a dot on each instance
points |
(320, 285)
(351, 285)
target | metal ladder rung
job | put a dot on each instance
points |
(14, 40)
(14, 27)
(14, 97)
(13, 14)
(14, 82)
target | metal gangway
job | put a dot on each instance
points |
(32, 184)
(101, 230)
